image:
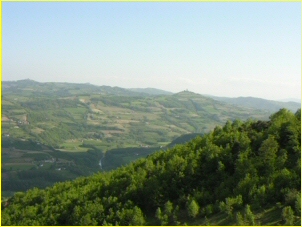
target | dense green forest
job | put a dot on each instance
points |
(243, 173)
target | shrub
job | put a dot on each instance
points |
(193, 209)
(288, 215)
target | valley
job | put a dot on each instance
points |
(55, 132)
(241, 173)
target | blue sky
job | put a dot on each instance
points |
(225, 49)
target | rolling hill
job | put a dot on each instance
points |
(151, 91)
(68, 115)
(243, 173)
(59, 131)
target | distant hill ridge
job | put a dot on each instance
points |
(290, 100)
(60, 88)
(151, 91)
(259, 103)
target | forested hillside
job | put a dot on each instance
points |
(244, 173)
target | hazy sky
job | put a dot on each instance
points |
(223, 49)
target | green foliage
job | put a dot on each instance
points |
(248, 215)
(209, 209)
(291, 196)
(230, 204)
(298, 204)
(207, 222)
(193, 209)
(288, 215)
(234, 169)
(239, 219)
(268, 153)
(159, 217)
(168, 208)
(168, 216)
(248, 218)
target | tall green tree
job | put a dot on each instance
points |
(193, 208)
